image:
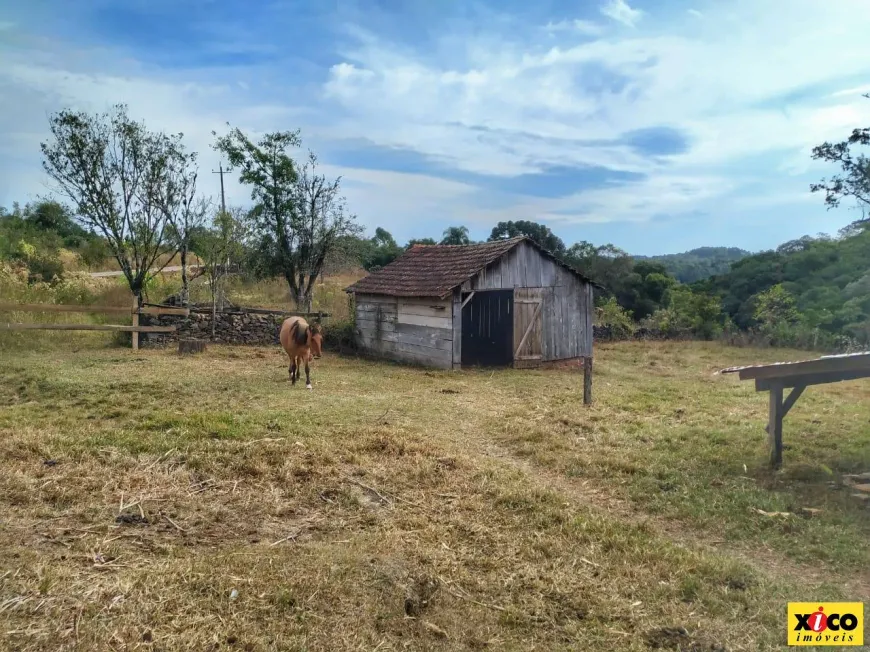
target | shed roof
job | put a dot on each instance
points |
(435, 270)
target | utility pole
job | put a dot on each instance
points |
(223, 212)
(220, 171)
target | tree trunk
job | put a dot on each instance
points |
(190, 346)
(185, 290)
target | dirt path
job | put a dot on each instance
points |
(118, 272)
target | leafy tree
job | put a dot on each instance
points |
(380, 250)
(383, 238)
(646, 289)
(455, 235)
(420, 241)
(299, 215)
(94, 252)
(540, 233)
(690, 314)
(23, 243)
(615, 317)
(123, 180)
(48, 215)
(607, 265)
(776, 306)
(854, 181)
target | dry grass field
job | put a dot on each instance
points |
(150, 502)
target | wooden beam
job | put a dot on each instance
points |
(468, 298)
(789, 401)
(529, 329)
(774, 426)
(108, 310)
(152, 310)
(587, 380)
(792, 398)
(824, 378)
(822, 365)
(54, 307)
(87, 327)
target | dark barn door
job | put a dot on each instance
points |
(488, 329)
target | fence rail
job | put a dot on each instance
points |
(114, 310)
(87, 327)
(134, 311)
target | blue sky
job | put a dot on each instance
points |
(657, 126)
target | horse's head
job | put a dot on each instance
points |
(315, 340)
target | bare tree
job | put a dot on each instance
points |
(299, 215)
(124, 182)
(321, 221)
(185, 223)
(221, 248)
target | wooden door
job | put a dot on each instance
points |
(528, 331)
(487, 328)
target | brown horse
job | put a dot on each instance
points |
(301, 341)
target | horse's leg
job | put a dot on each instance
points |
(307, 372)
(294, 371)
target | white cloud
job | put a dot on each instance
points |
(508, 105)
(186, 105)
(853, 92)
(520, 108)
(586, 27)
(621, 12)
(695, 13)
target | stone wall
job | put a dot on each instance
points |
(230, 328)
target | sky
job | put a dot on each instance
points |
(658, 126)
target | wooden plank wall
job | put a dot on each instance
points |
(567, 310)
(409, 330)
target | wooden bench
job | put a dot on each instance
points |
(797, 376)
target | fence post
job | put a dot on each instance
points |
(135, 334)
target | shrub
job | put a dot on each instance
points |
(610, 314)
(339, 336)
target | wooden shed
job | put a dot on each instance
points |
(500, 303)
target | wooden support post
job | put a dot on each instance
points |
(790, 400)
(457, 328)
(135, 334)
(587, 380)
(774, 425)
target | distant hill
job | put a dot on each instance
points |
(828, 277)
(700, 263)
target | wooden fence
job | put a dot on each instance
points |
(134, 311)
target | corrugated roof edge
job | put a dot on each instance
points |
(518, 239)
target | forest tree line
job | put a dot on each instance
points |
(131, 194)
